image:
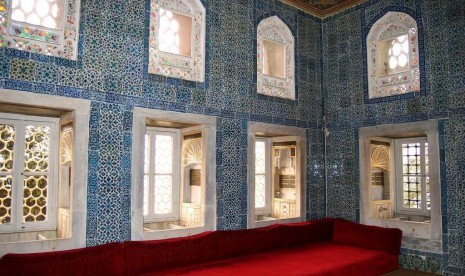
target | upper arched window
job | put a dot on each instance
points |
(275, 59)
(177, 39)
(41, 26)
(393, 60)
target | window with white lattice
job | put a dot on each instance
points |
(49, 27)
(43, 172)
(262, 176)
(161, 174)
(177, 39)
(275, 59)
(393, 56)
(28, 172)
(276, 189)
(174, 173)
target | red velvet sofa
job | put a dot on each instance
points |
(324, 247)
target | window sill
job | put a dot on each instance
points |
(39, 246)
(173, 232)
(271, 221)
(36, 238)
(28, 235)
(416, 234)
(413, 218)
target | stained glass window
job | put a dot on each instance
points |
(177, 39)
(45, 13)
(393, 56)
(275, 59)
(175, 33)
(41, 26)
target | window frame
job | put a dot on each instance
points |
(20, 122)
(79, 112)
(274, 30)
(399, 181)
(416, 235)
(279, 132)
(175, 174)
(395, 83)
(191, 68)
(67, 47)
(208, 197)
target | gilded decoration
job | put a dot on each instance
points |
(323, 8)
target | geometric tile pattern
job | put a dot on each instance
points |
(344, 60)
(111, 71)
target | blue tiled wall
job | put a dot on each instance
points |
(112, 72)
(346, 110)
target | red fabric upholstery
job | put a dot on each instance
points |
(97, 260)
(325, 247)
(313, 259)
(296, 234)
(365, 236)
(246, 242)
(145, 256)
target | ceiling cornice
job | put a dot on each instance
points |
(322, 12)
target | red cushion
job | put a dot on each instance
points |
(365, 236)
(97, 260)
(354, 250)
(295, 234)
(146, 256)
(248, 241)
(313, 259)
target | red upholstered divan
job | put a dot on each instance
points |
(324, 247)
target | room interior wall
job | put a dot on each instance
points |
(111, 71)
(346, 110)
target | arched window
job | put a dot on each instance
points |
(275, 59)
(393, 59)
(42, 27)
(177, 39)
